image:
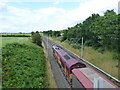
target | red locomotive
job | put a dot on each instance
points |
(78, 74)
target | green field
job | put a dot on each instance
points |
(6, 40)
(15, 33)
(23, 64)
(104, 61)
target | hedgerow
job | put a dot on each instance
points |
(14, 35)
(23, 66)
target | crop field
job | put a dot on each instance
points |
(23, 64)
(104, 61)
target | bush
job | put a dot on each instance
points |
(63, 39)
(116, 55)
(76, 46)
(36, 38)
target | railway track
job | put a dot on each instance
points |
(116, 81)
(57, 72)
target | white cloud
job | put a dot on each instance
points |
(87, 8)
(56, 2)
(26, 20)
(51, 18)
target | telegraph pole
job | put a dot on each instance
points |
(82, 48)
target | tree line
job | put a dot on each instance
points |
(52, 33)
(14, 35)
(97, 31)
(20, 34)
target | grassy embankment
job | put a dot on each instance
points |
(23, 64)
(104, 61)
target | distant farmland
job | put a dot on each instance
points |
(6, 40)
(15, 34)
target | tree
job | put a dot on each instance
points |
(32, 33)
(56, 33)
(36, 38)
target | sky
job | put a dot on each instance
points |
(42, 15)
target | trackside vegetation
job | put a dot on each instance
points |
(101, 38)
(36, 38)
(99, 32)
(23, 66)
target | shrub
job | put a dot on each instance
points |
(36, 38)
(116, 55)
(63, 39)
(76, 46)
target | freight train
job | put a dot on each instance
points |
(78, 74)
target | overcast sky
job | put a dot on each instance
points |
(40, 15)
